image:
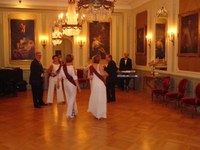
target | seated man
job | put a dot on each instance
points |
(125, 64)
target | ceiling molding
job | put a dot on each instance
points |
(137, 3)
(62, 4)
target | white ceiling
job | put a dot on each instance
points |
(120, 4)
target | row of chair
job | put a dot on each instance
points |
(177, 97)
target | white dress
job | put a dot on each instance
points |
(52, 85)
(97, 101)
(70, 90)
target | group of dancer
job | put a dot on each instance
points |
(63, 76)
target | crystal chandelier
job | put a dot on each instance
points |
(69, 23)
(162, 12)
(96, 10)
(56, 36)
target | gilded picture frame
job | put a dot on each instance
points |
(189, 31)
(160, 42)
(99, 39)
(22, 39)
(141, 43)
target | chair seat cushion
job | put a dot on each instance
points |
(159, 91)
(81, 80)
(190, 101)
(174, 95)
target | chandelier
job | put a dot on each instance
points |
(56, 36)
(162, 12)
(96, 10)
(69, 24)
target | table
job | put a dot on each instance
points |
(128, 74)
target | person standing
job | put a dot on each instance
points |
(53, 77)
(70, 82)
(111, 69)
(36, 80)
(125, 65)
(97, 100)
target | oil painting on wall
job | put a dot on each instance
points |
(141, 41)
(160, 41)
(189, 36)
(99, 39)
(22, 35)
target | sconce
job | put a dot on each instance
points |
(43, 40)
(81, 42)
(149, 37)
(171, 36)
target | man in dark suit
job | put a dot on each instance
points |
(36, 80)
(111, 69)
(125, 64)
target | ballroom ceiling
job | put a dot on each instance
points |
(120, 4)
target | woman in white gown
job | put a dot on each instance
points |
(70, 82)
(97, 101)
(53, 72)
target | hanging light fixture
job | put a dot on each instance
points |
(96, 10)
(56, 36)
(162, 12)
(68, 22)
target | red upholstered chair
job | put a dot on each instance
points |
(161, 91)
(192, 102)
(176, 96)
(81, 78)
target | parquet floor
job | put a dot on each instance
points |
(133, 123)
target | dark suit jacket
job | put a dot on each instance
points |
(111, 69)
(35, 74)
(127, 66)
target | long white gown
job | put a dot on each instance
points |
(97, 101)
(70, 90)
(52, 85)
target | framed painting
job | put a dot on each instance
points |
(58, 52)
(189, 34)
(141, 41)
(22, 39)
(160, 40)
(99, 39)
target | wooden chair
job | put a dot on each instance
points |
(192, 102)
(81, 78)
(176, 96)
(161, 91)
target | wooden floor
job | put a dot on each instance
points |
(133, 123)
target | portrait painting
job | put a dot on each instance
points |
(99, 39)
(141, 41)
(189, 36)
(160, 41)
(22, 39)
(58, 52)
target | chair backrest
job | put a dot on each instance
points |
(182, 86)
(166, 83)
(80, 73)
(197, 91)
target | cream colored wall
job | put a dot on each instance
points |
(152, 8)
(42, 27)
(172, 6)
(120, 37)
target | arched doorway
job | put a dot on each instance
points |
(66, 47)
